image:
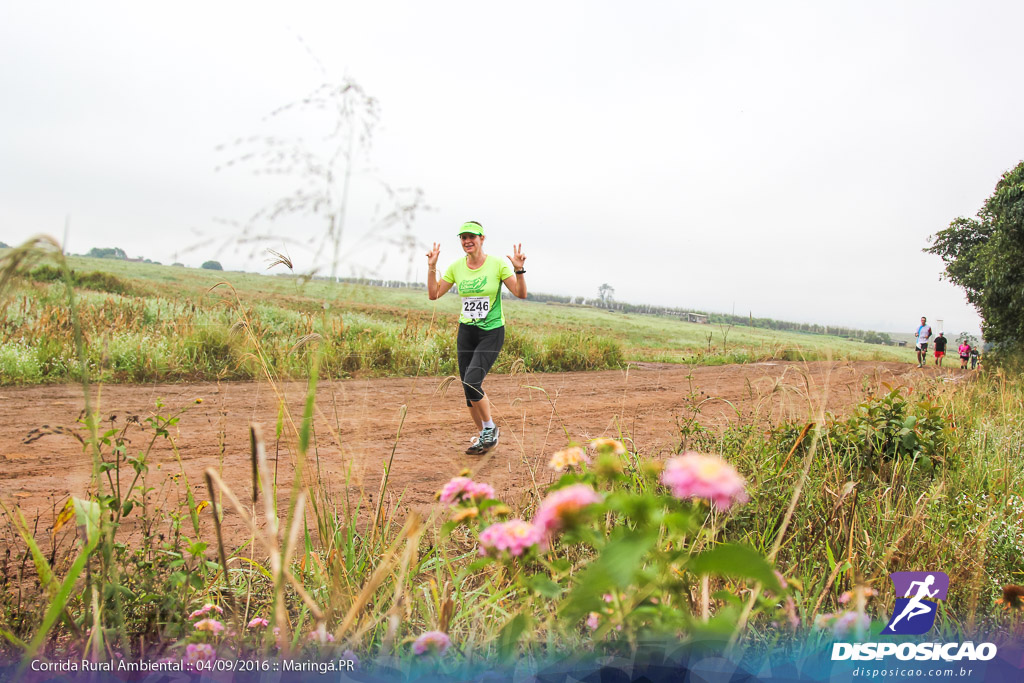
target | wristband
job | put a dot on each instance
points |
(519, 272)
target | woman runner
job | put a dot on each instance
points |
(482, 323)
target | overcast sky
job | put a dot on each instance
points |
(786, 159)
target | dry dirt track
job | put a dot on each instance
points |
(364, 416)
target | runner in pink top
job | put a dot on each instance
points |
(965, 354)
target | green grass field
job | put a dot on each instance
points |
(146, 322)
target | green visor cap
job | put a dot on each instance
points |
(474, 228)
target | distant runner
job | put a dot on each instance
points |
(965, 354)
(482, 323)
(974, 358)
(924, 333)
(940, 349)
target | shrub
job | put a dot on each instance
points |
(212, 265)
(19, 364)
(580, 351)
(94, 280)
(889, 427)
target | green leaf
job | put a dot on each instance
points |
(510, 634)
(60, 599)
(560, 565)
(544, 586)
(679, 521)
(614, 568)
(735, 561)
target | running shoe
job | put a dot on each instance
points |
(488, 438)
(475, 448)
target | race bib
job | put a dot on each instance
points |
(476, 307)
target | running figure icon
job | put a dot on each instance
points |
(915, 607)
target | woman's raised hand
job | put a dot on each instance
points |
(433, 254)
(518, 258)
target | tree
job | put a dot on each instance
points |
(108, 252)
(606, 294)
(212, 265)
(985, 256)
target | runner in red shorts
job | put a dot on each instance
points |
(940, 349)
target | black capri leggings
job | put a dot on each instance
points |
(477, 350)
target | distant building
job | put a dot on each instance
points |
(695, 318)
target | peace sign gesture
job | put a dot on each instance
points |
(433, 254)
(518, 258)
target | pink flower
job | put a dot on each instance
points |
(562, 506)
(464, 488)
(791, 616)
(570, 457)
(204, 610)
(841, 623)
(259, 622)
(593, 621)
(693, 475)
(320, 635)
(434, 642)
(851, 621)
(513, 537)
(612, 446)
(211, 625)
(199, 652)
(848, 595)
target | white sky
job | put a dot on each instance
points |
(788, 159)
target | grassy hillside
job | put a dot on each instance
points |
(147, 322)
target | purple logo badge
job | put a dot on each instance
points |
(917, 596)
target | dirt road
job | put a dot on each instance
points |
(358, 420)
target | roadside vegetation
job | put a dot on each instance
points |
(147, 322)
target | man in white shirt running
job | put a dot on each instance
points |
(924, 333)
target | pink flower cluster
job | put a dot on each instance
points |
(513, 537)
(848, 595)
(573, 456)
(562, 506)
(432, 642)
(516, 536)
(465, 489)
(211, 625)
(204, 610)
(613, 446)
(259, 622)
(594, 618)
(321, 636)
(843, 624)
(199, 652)
(693, 475)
